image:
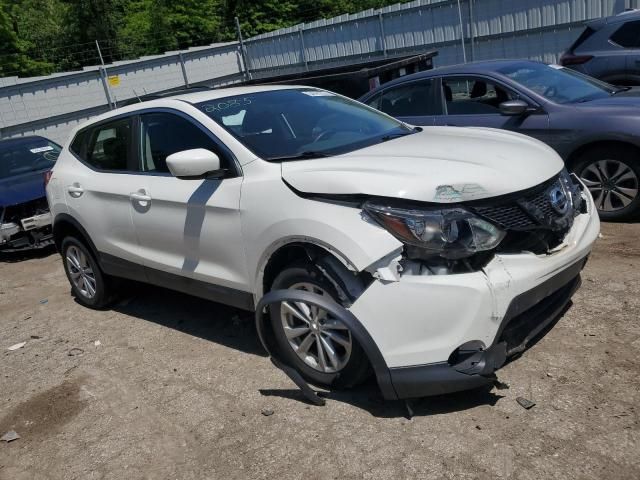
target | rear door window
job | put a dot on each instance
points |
(628, 35)
(108, 145)
(414, 99)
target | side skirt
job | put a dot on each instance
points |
(118, 267)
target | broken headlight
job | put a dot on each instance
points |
(451, 233)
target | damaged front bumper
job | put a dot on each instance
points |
(446, 333)
(430, 334)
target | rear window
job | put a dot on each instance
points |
(27, 155)
(628, 35)
(582, 38)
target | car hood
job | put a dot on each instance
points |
(628, 99)
(439, 164)
(21, 188)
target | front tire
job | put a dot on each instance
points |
(320, 347)
(89, 285)
(613, 178)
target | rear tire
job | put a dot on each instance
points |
(89, 285)
(343, 362)
(612, 175)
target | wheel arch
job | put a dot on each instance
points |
(65, 225)
(574, 156)
(283, 254)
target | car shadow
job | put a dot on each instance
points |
(367, 397)
(23, 255)
(194, 316)
(235, 328)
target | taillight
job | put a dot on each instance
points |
(571, 59)
(47, 177)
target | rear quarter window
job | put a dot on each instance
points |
(628, 35)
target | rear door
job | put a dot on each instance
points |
(628, 37)
(416, 102)
(474, 101)
(97, 188)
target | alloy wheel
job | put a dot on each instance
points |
(613, 184)
(80, 272)
(319, 339)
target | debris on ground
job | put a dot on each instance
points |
(35, 337)
(74, 352)
(44, 301)
(267, 412)
(10, 436)
(525, 403)
(17, 346)
(500, 385)
(97, 343)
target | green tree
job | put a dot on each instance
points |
(13, 59)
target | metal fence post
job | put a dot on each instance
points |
(184, 70)
(383, 37)
(243, 52)
(303, 49)
(105, 85)
(464, 51)
(472, 32)
(105, 80)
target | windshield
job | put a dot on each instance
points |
(558, 84)
(18, 156)
(301, 123)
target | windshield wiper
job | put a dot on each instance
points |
(299, 156)
(620, 89)
(391, 136)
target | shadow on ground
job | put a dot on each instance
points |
(194, 316)
(236, 329)
(367, 397)
(23, 255)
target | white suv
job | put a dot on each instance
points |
(438, 253)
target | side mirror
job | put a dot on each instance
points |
(196, 163)
(514, 107)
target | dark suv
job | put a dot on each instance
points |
(608, 49)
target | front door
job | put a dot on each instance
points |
(186, 228)
(475, 102)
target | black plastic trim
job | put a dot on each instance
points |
(62, 218)
(530, 298)
(360, 333)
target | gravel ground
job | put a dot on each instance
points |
(178, 388)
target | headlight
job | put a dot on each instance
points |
(450, 233)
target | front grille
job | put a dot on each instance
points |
(531, 211)
(508, 216)
(530, 219)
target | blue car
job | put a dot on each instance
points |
(608, 49)
(594, 126)
(25, 221)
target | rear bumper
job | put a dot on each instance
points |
(528, 316)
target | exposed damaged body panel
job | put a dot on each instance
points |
(25, 221)
(431, 166)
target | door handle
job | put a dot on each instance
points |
(75, 190)
(140, 197)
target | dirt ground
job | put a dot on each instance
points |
(177, 386)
